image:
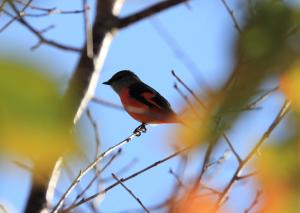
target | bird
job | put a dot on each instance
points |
(141, 102)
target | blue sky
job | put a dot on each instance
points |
(205, 32)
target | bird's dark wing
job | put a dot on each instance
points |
(149, 96)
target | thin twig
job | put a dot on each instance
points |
(232, 148)
(122, 170)
(232, 15)
(38, 33)
(83, 172)
(180, 53)
(185, 98)
(262, 97)
(247, 175)
(14, 18)
(212, 190)
(107, 103)
(96, 176)
(255, 201)
(284, 109)
(188, 89)
(48, 11)
(126, 179)
(95, 127)
(177, 178)
(50, 27)
(130, 192)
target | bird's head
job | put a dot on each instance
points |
(122, 79)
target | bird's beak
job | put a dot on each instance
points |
(106, 83)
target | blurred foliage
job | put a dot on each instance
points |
(290, 85)
(193, 203)
(279, 175)
(279, 165)
(265, 50)
(34, 122)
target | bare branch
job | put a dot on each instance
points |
(176, 177)
(180, 53)
(95, 127)
(83, 172)
(232, 148)
(130, 192)
(232, 15)
(38, 33)
(88, 30)
(251, 174)
(262, 97)
(186, 100)
(126, 179)
(47, 11)
(107, 103)
(255, 201)
(188, 89)
(152, 10)
(96, 175)
(284, 109)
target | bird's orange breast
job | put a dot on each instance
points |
(142, 112)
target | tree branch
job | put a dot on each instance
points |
(126, 179)
(83, 172)
(152, 10)
(130, 192)
(38, 33)
(284, 109)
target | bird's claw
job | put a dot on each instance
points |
(139, 130)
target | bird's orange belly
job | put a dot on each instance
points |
(141, 112)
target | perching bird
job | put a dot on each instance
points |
(141, 101)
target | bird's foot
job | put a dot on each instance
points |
(139, 130)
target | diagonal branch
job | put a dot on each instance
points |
(232, 15)
(83, 172)
(38, 33)
(284, 109)
(126, 179)
(152, 10)
(130, 192)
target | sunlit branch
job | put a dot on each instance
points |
(3, 209)
(88, 30)
(84, 200)
(83, 172)
(130, 192)
(80, 195)
(284, 109)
